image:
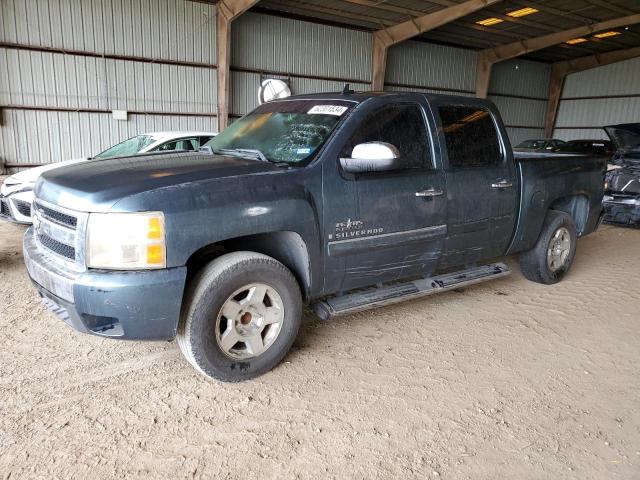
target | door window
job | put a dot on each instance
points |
(182, 144)
(400, 125)
(471, 136)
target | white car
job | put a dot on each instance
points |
(16, 193)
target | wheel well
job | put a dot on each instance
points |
(287, 247)
(575, 205)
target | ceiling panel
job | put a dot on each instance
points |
(552, 16)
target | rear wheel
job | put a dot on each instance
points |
(241, 316)
(552, 256)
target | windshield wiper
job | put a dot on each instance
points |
(251, 153)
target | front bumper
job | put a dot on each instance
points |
(622, 210)
(140, 305)
(16, 208)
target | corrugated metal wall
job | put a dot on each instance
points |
(297, 51)
(519, 88)
(601, 96)
(156, 58)
(178, 35)
(418, 64)
(161, 29)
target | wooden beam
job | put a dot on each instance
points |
(386, 37)
(486, 58)
(227, 11)
(559, 73)
(556, 82)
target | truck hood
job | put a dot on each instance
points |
(96, 185)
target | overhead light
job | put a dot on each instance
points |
(573, 41)
(611, 33)
(487, 22)
(523, 12)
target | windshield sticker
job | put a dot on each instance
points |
(336, 110)
(303, 151)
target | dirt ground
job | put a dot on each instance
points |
(507, 379)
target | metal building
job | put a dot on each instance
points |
(66, 65)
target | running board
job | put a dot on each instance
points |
(388, 295)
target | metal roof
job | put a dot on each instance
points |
(552, 16)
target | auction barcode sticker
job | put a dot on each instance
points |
(336, 110)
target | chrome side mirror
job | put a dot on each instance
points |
(371, 157)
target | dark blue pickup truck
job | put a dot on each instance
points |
(342, 202)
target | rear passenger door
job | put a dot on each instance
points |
(481, 184)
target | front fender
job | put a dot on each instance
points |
(204, 213)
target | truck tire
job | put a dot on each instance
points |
(552, 256)
(241, 314)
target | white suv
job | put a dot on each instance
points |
(16, 193)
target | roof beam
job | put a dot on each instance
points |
(559, 73)
(226, 12)
(486, 58)
(386, 37)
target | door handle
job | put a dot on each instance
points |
(502, 184)
(432, 192)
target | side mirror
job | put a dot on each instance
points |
(371, 157)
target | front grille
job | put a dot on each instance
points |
(58, 217)
(57, 247)
(23, 207)
(60, 232)
(4, 208)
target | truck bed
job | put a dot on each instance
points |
(573, 183)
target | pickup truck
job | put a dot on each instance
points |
(340, 202)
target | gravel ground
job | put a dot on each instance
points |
(507, 379)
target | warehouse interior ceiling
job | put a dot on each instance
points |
(505, 22)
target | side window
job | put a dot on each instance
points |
(471, 136)
(400, 125)
(166, 146)
(182, 144)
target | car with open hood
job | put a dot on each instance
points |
(622, 187)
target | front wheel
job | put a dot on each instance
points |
(241, 316)
(552, 256)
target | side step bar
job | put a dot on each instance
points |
(388, 295)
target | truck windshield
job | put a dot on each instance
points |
(286, 131)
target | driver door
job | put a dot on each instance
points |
(386, 225)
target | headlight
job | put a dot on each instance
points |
(126, 241)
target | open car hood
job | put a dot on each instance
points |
(626, 136)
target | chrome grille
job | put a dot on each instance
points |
(23, 207)
(57, 247)
(57, 216)
(59, 234)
